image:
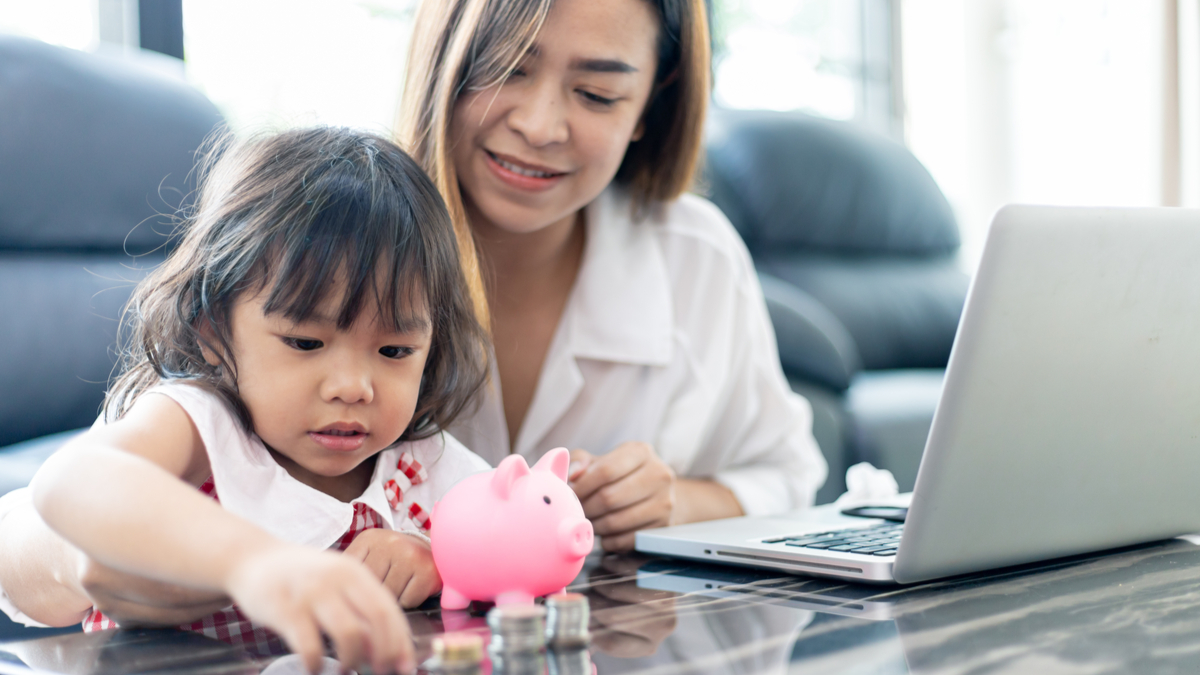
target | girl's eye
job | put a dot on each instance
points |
(597, 99)
(395, 352)
(303, 344)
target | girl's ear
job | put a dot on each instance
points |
(208, 338)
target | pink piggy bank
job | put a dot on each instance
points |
(510, 534)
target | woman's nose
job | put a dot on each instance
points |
(348, 382)
(540, 115)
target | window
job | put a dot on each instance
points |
(832, 58)
(272, 63)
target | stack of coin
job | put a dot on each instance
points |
(458, 653)
(567, 619)
(517, 628)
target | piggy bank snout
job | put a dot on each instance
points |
(575, 538)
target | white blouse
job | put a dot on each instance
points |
(665, 339)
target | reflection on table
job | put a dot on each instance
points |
(1136, 610)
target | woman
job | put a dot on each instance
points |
(626, 318)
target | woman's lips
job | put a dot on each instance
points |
(520, 175)
(337, 440)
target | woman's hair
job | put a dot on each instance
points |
(470, 45)
(295, 216)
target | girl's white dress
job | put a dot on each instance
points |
(408, 479)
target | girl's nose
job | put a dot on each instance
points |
(348, 383)
(540, 115)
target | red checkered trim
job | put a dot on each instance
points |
(395, 495)
(420, 517)
(411, 468)
(365, 518)
(230, 625)
(209, 487)
(95, 621)
(409, 472)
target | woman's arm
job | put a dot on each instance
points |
(733, 426)
(116, 494)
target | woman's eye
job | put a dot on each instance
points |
(303, 344)
(395, 352)
(596, 98)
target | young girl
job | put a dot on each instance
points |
(294, 359)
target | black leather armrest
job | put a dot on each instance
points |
(813, 343)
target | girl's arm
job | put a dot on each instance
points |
(37, 567)
(116, 494)
(53, 583)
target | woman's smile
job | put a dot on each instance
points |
(531, 151)
(523, 175)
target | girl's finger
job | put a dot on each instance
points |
(397, 580)
(379, 565)
(418, 590)
(391, 642)
(304, 639)
(351, 638)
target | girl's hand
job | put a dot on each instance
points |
(401, 561)
(300, 593)
(626, 490)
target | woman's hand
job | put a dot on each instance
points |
(631, 489)
(131, 600)
(626, 490)
(301, 593)
(401, 561)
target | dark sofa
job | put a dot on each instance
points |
(92, 150)
(856, 248)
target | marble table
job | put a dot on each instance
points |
(1133, 611)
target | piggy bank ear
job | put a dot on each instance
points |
(556, 462)
(512, 468)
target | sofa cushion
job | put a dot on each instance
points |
(92, 146)
(793, 181)
(901, 312)
(813, 344)
(59, 333)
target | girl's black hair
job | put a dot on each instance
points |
(296, 215)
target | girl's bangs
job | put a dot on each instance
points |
(350, 244)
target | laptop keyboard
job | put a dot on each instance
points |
(882, 539)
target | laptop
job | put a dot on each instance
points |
(1069, 421)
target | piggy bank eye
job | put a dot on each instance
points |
(546, 499)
